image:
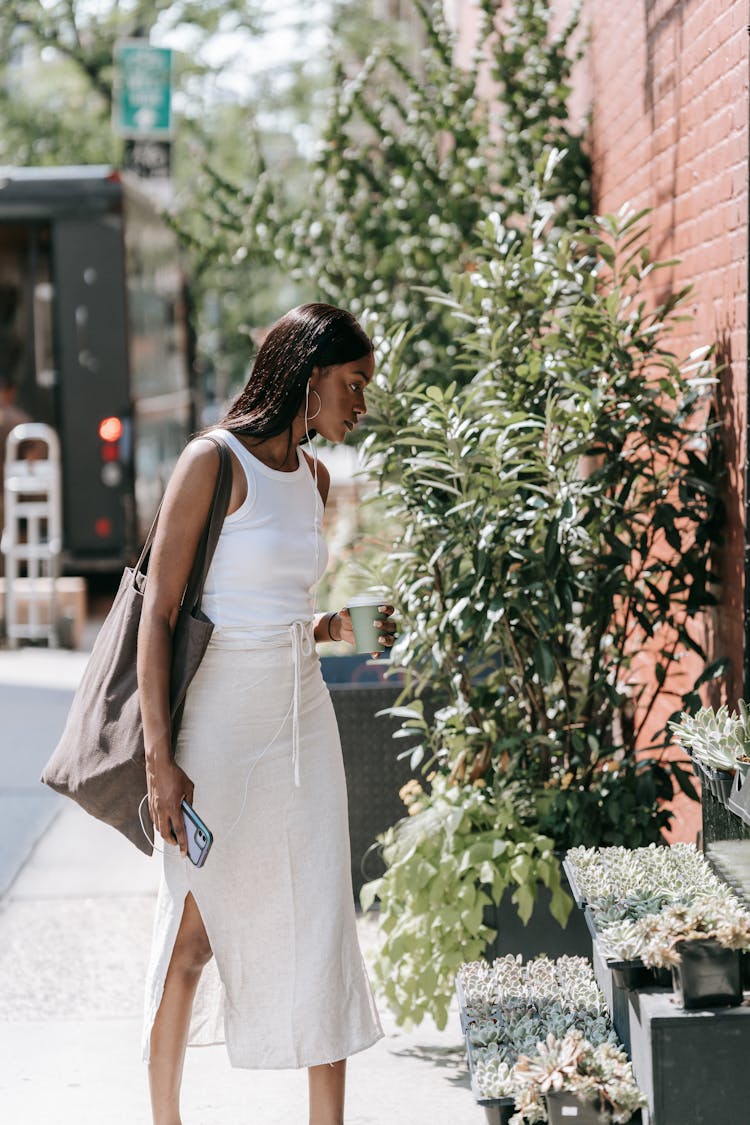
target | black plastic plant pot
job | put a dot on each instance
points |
(724, 787)
(708, 975)
(662, 978)
(745, 969)
(631, 974)
(562, 1108)
(720, 783)
(498, 1114)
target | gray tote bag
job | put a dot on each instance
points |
(100, 760)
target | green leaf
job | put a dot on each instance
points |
(560, 906)
(544, 661)
(369, 893)
(524, 897)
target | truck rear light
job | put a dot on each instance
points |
(110, 452)
(110, 429)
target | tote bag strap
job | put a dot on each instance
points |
(212, 530)
(209, 537)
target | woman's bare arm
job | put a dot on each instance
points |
(184, 512)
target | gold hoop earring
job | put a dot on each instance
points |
(310, 417)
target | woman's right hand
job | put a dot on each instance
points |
(168, 786)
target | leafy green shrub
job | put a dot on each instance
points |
(456, 854)
(412, 157)
(557, 515)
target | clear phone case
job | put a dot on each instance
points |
(199, 838)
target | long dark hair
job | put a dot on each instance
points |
(309, 336)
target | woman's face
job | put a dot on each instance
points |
(342, 397)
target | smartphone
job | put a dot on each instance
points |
(199, 838)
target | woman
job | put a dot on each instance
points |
(258, 754)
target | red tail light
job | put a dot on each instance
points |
(110, 429)
(110, 453)
(103, 527)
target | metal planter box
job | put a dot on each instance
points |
(691, 1065)
(542, 933)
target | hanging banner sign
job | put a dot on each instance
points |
(142, 103)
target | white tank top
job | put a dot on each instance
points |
(265, 567)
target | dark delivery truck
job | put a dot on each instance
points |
(94, 337)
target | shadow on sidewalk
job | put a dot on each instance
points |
(446, 1058)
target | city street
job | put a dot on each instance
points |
(75, 921)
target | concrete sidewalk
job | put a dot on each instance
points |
(74, 940)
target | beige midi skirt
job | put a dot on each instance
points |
(286, 986)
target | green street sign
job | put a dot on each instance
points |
(143, 93)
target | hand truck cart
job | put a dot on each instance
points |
(32, 536)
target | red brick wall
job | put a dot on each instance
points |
(669, 88)
(667, 82)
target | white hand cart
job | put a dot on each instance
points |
(32, 536)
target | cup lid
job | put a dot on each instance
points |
(365, 599)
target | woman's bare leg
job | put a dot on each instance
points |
(170, 1031)
(327, 1085)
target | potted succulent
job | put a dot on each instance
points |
(605, 878)
(701, 943)
(719, 744)
(570, 1079)
(622, 889)
(508, 1008)
(618, 885)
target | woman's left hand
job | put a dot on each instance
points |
(387, 628)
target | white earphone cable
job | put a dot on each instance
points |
(316, 496)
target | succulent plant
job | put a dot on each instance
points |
(632, 907)
(620, 883)
(598, 1074)
(522, 1005)
(508, 983)
(724, 921)
(494, 1078)
(716, 738)
(622, 941)
(655, 939)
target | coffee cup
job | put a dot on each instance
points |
(364, 610)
